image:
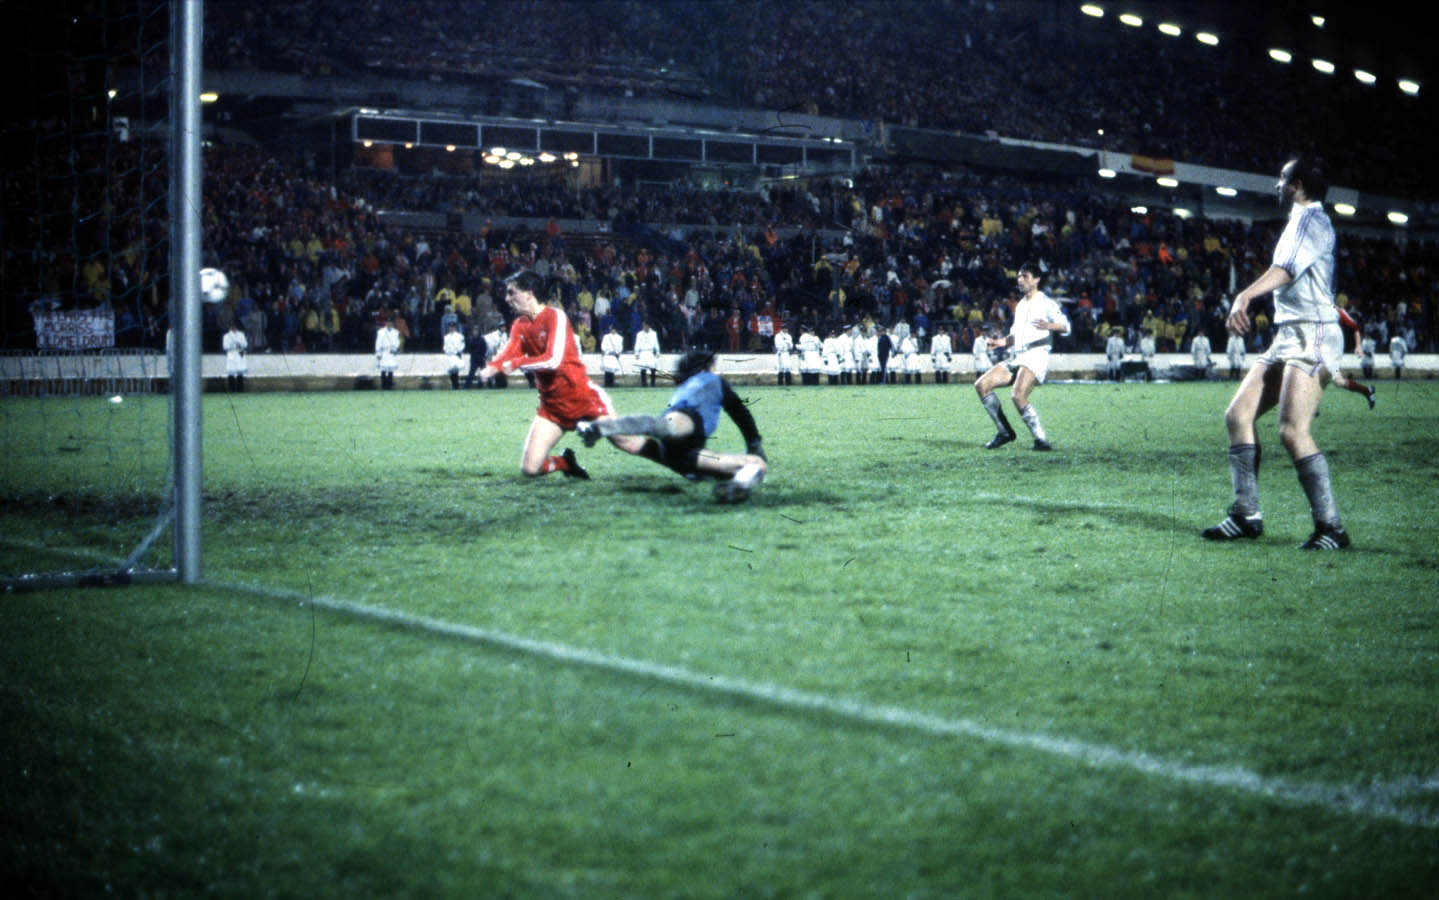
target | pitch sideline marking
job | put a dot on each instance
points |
(1377, 801)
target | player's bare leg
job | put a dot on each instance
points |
(997, 377)
(1299, 396)
(1024, 384)
(1349, 384)
(1256, 395)
(535, 458)
(1298, 403)
(739, 473)
(629, 432)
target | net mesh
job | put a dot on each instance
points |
(85, 461)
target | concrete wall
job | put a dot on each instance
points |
(430, 370)
(338, 371)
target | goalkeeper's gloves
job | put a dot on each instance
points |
(756, 448)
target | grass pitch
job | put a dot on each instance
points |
(907, 667)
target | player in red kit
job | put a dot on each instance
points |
(542, 343)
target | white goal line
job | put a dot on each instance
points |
(1383, 801)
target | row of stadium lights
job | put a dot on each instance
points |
(506, 159)
(1204, 37)
(1167, 181)
(498, 156)
(1408, 86)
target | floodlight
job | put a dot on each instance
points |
(1278, 55)
(1182, 213)
(1107, 173)
(1167, 182)
(1365, 77)
(1317, 20)
(1139, 210)
(1170, 29)
(1131, 20)
(1205, 37)
(1345, 209)
(1409, 87)
(497, 151)
(1089, 9)
(1398, 218)
(1323, 65)
(1226, 191)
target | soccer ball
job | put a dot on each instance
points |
(214, 285)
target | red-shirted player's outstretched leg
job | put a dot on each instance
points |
(535, 458)
(1363, 390)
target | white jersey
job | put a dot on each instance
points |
(495, 341)
(831, 352)
(811, 352)
(1199, 351)
(1114, 349)
(844, 352)
(454, 348)
(864, 350)
(1397, 349)
(611, 346)
(1037, 306)
(940, 350)
(387, 348)
(1306, 251)
(909, 352)
(1234, 349)
(980, 353)
(647, 349)
(235, 344)
(783, 350)
(1146, 348)
(1366, 350)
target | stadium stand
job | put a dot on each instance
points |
(319, 250)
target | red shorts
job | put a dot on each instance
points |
(575, 402)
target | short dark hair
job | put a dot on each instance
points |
(1309, 171)
(693, 363)
(527, 280)
(1031, 267)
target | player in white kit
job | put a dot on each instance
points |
(1293, 372)
(1037, 319)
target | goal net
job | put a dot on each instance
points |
(86, 470)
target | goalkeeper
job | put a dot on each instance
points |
(677, 438)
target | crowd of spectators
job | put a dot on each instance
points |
(975, 66)
(316, 268)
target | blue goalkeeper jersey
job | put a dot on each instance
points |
(703, 393)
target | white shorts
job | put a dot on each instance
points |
(1035, 360)
(1308, 346)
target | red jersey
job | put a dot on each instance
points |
(545, 347)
